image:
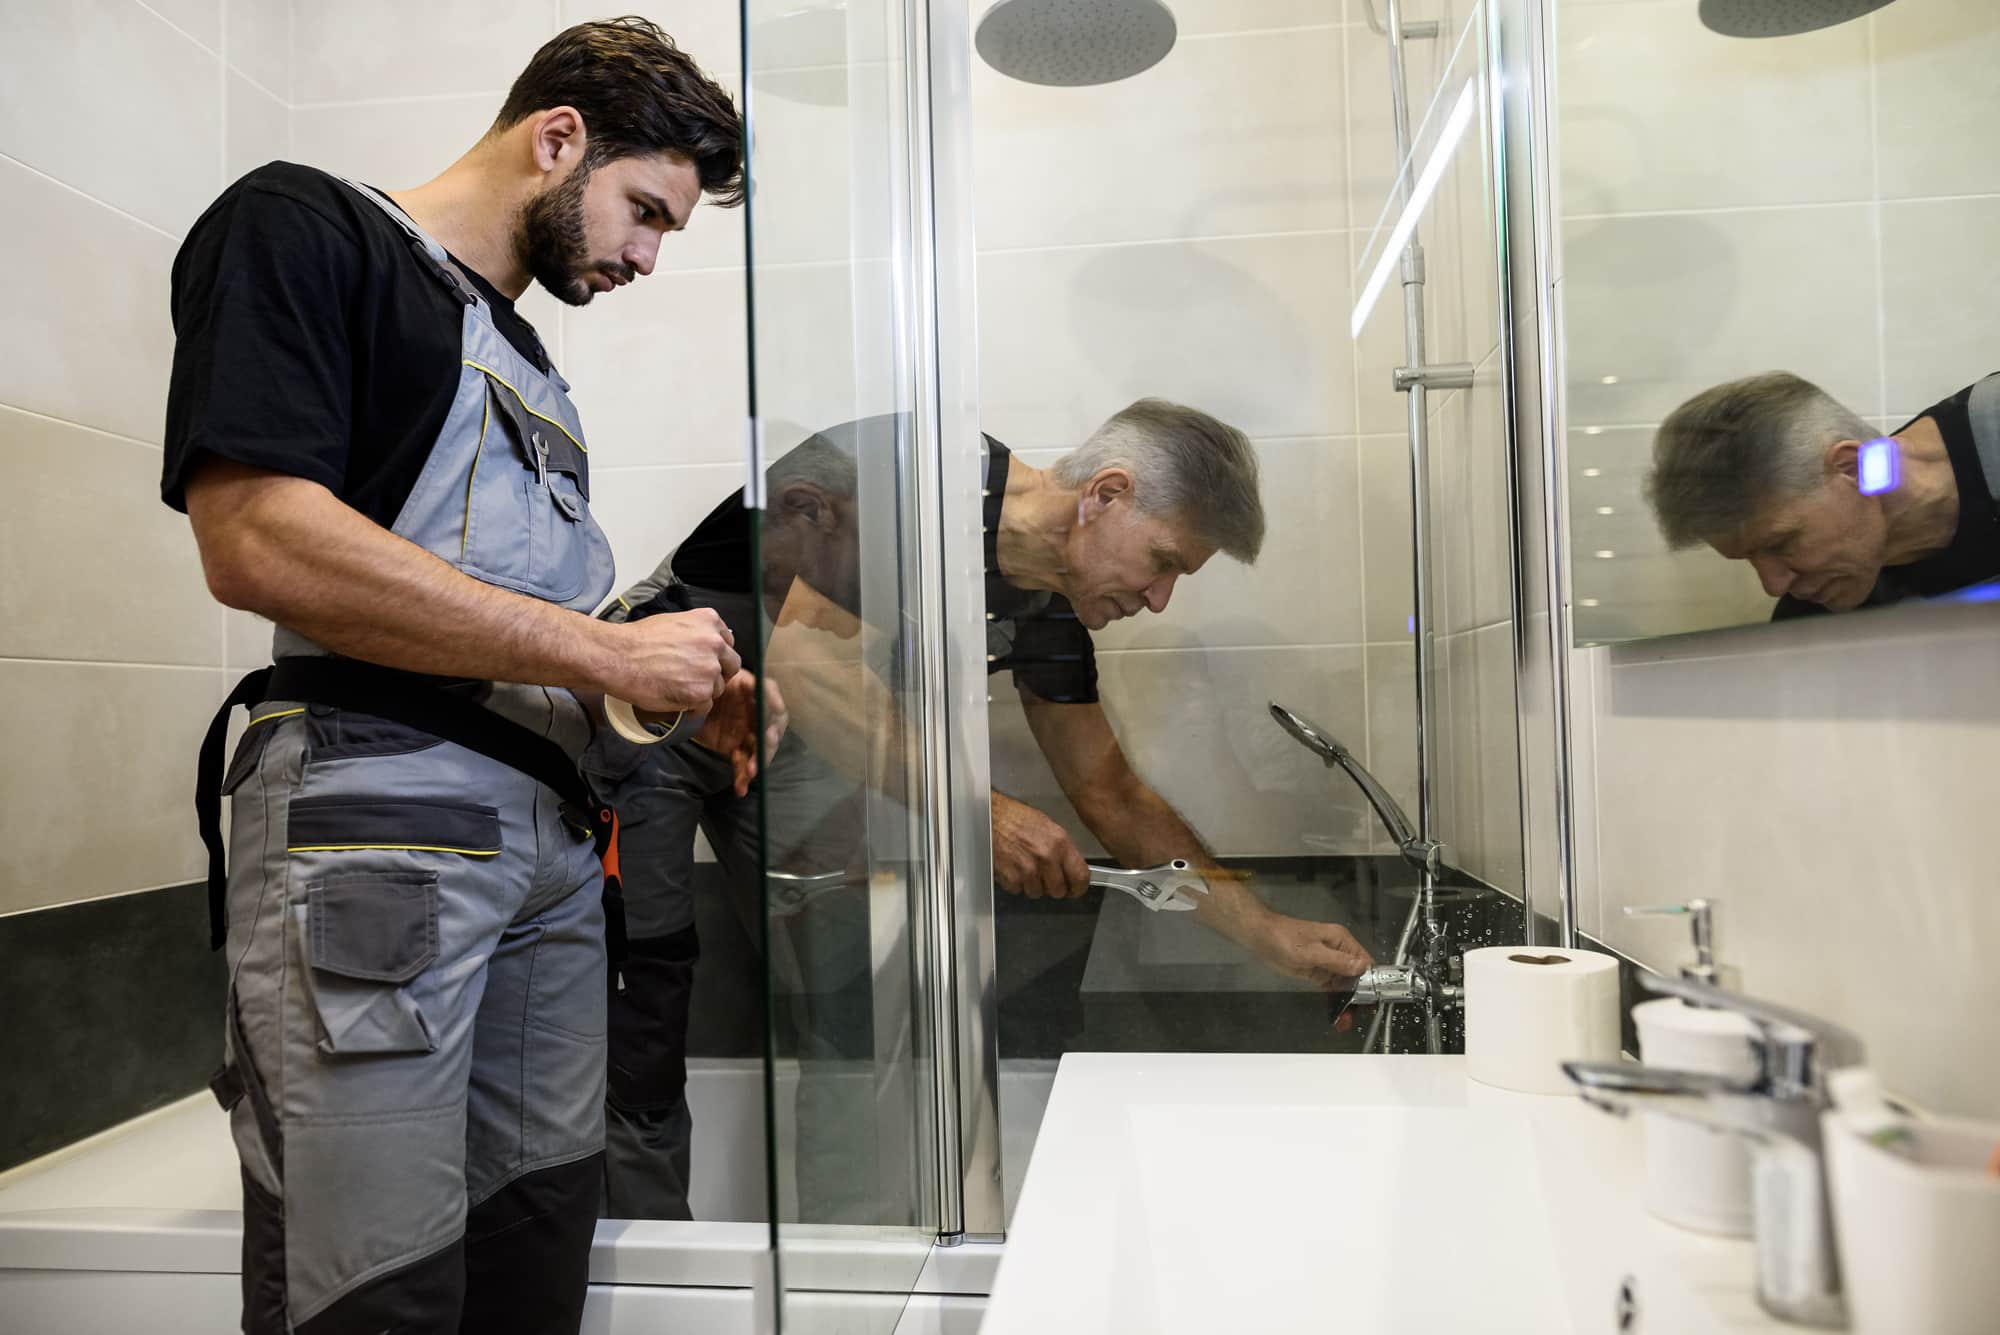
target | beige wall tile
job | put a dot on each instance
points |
(1452, 549)
(1195, 726)
(1392, 729)
(96, 798)
(1019, 769)
(356, 50)
(1672, 305)
(1829, 782)
(710, 32)
(259, 128)
(1941, 288)
(92, 566)
(199, 19)
(391, 145)
(828, 171)
(1226, 136)
(1500, 845)
(1385, 537)
(659, 373)
(1252, 330)
(103, 96)
(258, 43)
(89, 343)
(1456, 765)
(785, 35)
(1197, 17)
(1254, 790)
(247, 639)
(1658, 112)
(1936, 100)
(1492, 535)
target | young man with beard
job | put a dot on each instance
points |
(377, 455)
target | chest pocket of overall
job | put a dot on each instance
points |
(527, 501)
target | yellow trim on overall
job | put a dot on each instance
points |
(266, 718)
(622, 603)
(465, 530)
(481, 366)
(394, 848)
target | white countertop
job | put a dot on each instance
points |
(1194, 1193)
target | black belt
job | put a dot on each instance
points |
(400, 697)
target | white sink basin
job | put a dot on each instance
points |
(1205, 1194)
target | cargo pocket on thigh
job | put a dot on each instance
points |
(365, 936)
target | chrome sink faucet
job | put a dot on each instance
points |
(1798, 1274)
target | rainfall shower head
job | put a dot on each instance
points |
(1781, 18)
(1069, 43)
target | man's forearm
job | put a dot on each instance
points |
(289, 550)
(1141, 829)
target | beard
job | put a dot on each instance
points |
(550, 237)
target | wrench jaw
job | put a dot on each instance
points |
(1167, 888)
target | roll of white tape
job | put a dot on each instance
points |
(1529, 1009)
(625, 722)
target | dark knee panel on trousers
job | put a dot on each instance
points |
(527, 1252)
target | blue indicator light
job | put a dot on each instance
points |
(1881, 466)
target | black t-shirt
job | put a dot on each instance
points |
(311, 340)
(1031, 633)
(1974, 553)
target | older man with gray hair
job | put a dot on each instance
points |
(1105, 532)
(1831, 514)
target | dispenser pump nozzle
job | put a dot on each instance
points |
(1701, 921)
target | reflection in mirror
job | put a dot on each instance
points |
(1764, 286)
(1773, 471)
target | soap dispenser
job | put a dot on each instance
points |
(1695, 1177)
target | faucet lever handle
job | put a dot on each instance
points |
(1783, 1031)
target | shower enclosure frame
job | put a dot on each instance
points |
(953, 970)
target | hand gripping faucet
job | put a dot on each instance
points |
(1798, 1274)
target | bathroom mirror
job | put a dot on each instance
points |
(1819, 202)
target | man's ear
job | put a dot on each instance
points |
(809, 503)
(1843, 460)
(1101, 492)
(558, 137)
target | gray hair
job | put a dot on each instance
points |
(1726, 452)
(823, 463)
(1185, 466)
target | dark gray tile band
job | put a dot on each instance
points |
(108, 1009)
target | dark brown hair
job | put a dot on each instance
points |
(638, 93)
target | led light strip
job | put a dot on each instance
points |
(1427, 184)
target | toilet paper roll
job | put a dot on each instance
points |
(1528, 1009)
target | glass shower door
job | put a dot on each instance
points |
(847, 449)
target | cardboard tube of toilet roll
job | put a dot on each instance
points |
(1530, 1009)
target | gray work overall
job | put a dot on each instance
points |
(415, 935)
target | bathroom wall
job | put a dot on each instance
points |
(1830, 784)
(119, 122)
(1193, 232)
(1825, 782)
(1826, 204)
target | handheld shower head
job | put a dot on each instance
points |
(1328, 748)
(1309, 735)
(1781, 18)
(1070, 43)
